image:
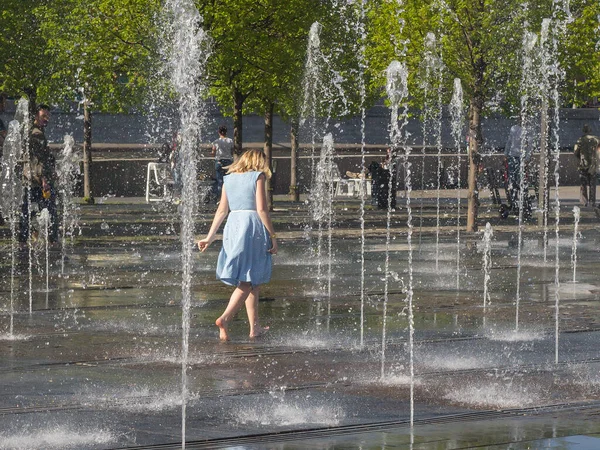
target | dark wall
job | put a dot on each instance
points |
(139, 129)
(127, 178)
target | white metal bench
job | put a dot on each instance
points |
(158, 176)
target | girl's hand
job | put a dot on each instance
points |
(273, 249)
(204, 243)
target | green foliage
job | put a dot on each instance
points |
(482, 45)
(100, 49)
(581, 53)
(260, 49)
(23, 62)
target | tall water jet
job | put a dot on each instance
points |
(321, 202)
(576, 234)
(561, 16)
(457, 115)
(67, 170)
(10, 200)
(397, 91)
(543, 179)
(44, 225)
(22, 117)
(487, 265)
(363, 171)
(431, 79)
(186, 54)
(528, 88)
(312, 83)
(322, 90)
(312, 106)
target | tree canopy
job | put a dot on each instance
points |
(100, 49)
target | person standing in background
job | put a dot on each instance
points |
(39, 177)
(222, 151)
(585, 150)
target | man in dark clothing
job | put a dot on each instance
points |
(39, 177)
(383, 188)
(585, 150)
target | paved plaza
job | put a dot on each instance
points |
(96, 363)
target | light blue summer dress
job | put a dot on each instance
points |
(244, 256)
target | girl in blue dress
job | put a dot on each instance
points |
(248, 238)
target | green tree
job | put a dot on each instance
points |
(481, 41)
(102, 53)
(581, 53)
(258, 57)
(23, 60)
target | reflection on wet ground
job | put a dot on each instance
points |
(97, 363)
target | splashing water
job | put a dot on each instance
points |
(397, 91)
(432, 73)
(458, 120)
(321, 202)
(56, 437)
(543, 178)
(529, 87)
(44, 224)
(68, 170)
(576, 235)
(557, 77)
(312, 83)
(363, 114)
(487, 265)
(12, 192)
(187, 53)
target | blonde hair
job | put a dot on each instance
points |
(251, 160)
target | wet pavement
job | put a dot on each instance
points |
(97, 362)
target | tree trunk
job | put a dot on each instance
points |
(238, 102)
(294, 191)
(87, 153)
(268, 148)
(475, 140)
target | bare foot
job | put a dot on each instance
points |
(259, 331)
(222, 324)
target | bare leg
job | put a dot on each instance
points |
(252, 311)
(237, 299)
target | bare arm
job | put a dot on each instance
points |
(263, 211)
(220, 215)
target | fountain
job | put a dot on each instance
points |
(458, 125)
(576, 234)
(321, 201)
(67, 170)
(431, 84)
(12, 193)
(187, 58)
(529, 79)
(397, 91)
(487, 266)
(111, 360)
(43, 220)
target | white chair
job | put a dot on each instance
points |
(157, 176)
(361, 186)
(340, 183)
